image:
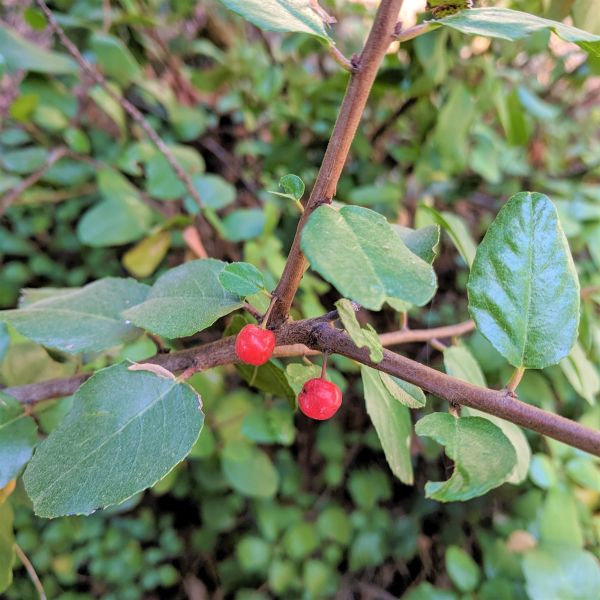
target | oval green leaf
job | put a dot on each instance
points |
(362, 255)
(523, 287)
(126, 431)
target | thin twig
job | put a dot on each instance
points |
(128, 107)
(37, 584)
(7, 200)
(318, 335)
(349, 116)
(340, 59)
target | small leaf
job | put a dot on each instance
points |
(215, 192)
(249, 470)
(87, 319)
(280, 15)
(145, 257)
(114, 58)
(457, 230)
(292, 186)
(483, 456)
(242, 279)
(523, 288)
(7, 546)
(185, 300)
(460, 363)
(162, 182)
(156, 369)
(18, 437)
(392, 423)
(363, 338)
(514, 25)
(244, 224)
(581, 373)
(125, 432)
(361, 254)
(20, 54)
(462, 569)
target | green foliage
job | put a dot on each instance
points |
(7, 553)
(361, 337)
(242, 279)
(525, 297)
(358, 251)
(97, 440)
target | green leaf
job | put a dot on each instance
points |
(514, 25)
(292, 186)
(24, 160)
(560, 571)
(581, 373)
(126, 431)
(298, 374)
(585, 472)
(22, 54)
(87, 319)
(462, 569)
(406, 393)
(215, 192)
(363, 338)
(392, 423)
(483, 456)
(249, 470)
(243, 224)
(121, 217)
(460, 363)
(185, 300)
(145, 257)
(559, 521)
(242, 279)
(280, 15)
(114, 58)
(457, 230)
(361, 254)
(162, 182)
(7, 546)
(18, 437)
(424, 242)
(523, 287)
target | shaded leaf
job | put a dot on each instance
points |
(125, 432)
(87, 319)
(18, 437)
(483, 456)
(363, 338)
(114, 58)
(145, 257)
(242, 279)
(406, 393)
(392, 423)
(523, 287)
(249, 470)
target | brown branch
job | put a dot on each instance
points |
(7, 200)
(318, 335)
(351, 110)
(128, 107)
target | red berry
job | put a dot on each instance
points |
(254, 345)
(319, 399)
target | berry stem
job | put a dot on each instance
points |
(324, 365)
(268, 313)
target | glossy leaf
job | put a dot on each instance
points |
(363, 338)
(523, 287)
(460, 363)
(87, 319)
(185, 300)
(483, 456)
(7, 546)
(242, 279)
(126, 431)
(280, 15)
(249, 470)
(18, 437)
(361, 254)
(392, 423)
(514, 25)
(21, 54)
(293, 187)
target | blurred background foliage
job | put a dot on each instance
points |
(454, 127)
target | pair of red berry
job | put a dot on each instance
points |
(319, 399)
